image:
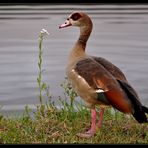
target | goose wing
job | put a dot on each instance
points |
(99, 78)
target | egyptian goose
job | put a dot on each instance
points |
(97, 81)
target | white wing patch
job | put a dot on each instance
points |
(100, 90)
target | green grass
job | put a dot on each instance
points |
(51, 125)
(61, 126)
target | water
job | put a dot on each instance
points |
(120, 34)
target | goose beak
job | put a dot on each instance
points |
(65, 24)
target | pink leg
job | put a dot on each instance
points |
(101, 117)
(93, 122)
(92, 130)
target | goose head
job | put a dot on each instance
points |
(79, 19)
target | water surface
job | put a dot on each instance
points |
(120, 34)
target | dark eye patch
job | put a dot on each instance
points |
(75, 16)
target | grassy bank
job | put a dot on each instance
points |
(62, 126)
(49, 125)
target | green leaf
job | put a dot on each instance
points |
(43, 86)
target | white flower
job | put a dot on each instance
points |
(44, 32)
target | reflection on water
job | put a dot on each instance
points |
(120, 34)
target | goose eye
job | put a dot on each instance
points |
(76, 16)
